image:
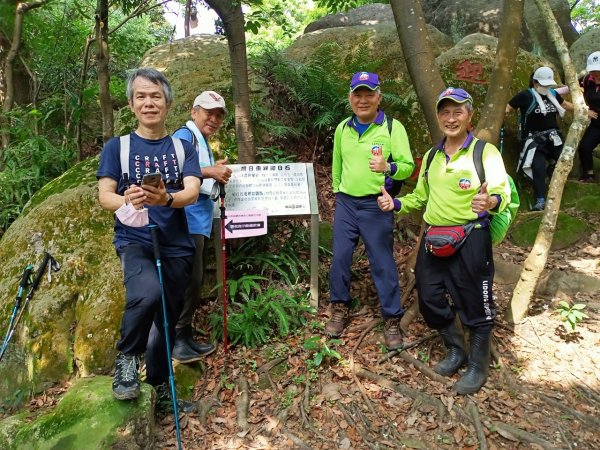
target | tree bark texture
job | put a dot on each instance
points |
(9, 98)
(186, 20)
(232, 17)
(492, 113)
(102, 59)
(82, 81)
(422, 67)
(535, 262)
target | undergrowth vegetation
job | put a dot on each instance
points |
(268, 287)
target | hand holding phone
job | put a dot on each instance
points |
(152, 179)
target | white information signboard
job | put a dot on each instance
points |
(281, 189)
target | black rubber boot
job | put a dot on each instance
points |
(456, 355)
(478, 365)
(185, 335)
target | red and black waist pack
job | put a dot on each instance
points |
(444, 241)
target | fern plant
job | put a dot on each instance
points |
(272, 313)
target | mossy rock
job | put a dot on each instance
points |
(569, 230)
(581, 196)
(72, 323)
(87, 417)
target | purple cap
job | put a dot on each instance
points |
(364, 79)
(457, 95)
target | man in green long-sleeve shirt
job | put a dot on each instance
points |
(370, 150)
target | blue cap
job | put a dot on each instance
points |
(457, 95)
(364, 79)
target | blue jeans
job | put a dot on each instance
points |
(361, 217)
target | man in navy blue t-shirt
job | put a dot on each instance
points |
(151, 150)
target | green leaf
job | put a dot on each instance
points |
(318, 359)
(579, 306)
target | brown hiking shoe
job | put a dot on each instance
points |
(393, 334)
(340, 312)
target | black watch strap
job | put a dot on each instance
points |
(169, 199)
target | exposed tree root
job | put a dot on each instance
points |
(408, 346)
(423, 368)
(242, 403)
(268, 366)
(525, 436)
(410, 392)
(205, 404)
(299, 443)
(473, 411)
(410, 314)
(364, 434)
(372, 324)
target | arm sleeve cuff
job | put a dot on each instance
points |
(393, 168)
(397, 205)
(499, 198)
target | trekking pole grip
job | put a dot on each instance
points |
(25, 278)
(40, 272)
(222, 190)
(154, 233)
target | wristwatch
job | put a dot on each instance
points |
(388, 169)
(169, 199)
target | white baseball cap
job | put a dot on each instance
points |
(544, 76)
(210, 100)
(593, 62)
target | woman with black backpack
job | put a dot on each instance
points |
(540, 106)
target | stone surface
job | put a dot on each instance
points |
(72, 323)
(587, 43)
(539, 31)
(372, 14)
(569, 230)
(86, 417)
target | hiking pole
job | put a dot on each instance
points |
(154, 234)
(54, 267)
(22, 285)
(223, 265)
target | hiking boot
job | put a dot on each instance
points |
(126, 382)
(478, 366)
(540, 204)
(340, 313)
(456, 355)
(587, 178)
(392, 333)
(185, 334)
(164, 402)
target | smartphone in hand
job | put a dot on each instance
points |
(152, 179)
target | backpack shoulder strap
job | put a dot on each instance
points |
(532, 104)
(179, 152)
(125, 144)
(432, 153)
(478, 159)
(194, 138)
(390, 124)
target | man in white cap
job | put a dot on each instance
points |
(539, 106)
(591, 138)
(208, 113)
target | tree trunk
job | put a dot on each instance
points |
(535, 262)
(82, 81)
(186, 21)
(492, 113)
(13, 52)
(102, 58)
(422, 67)
(232, 17)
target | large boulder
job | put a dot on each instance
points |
(71, 324)
(539, 31)
(463, 17)
(86, 417)
(588, 43)
(192, 65)
(372, 14)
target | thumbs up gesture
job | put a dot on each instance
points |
(385, 201)
(482, 201)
